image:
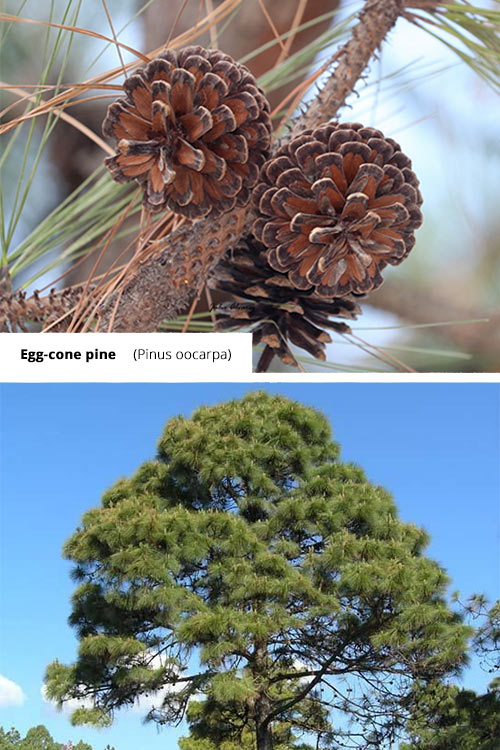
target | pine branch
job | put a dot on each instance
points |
(163, 286)
(375, 21)
(17, 310)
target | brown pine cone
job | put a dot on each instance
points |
(193, 129)
(279, 312)
(336, 205)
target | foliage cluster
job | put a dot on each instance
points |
(36, 738)
(248, 566)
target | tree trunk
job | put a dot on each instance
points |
(263, 733)
(264, 736)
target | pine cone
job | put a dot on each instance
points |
(278, 311)
(193, 129)
(335, 206)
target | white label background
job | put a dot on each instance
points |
(186, 364)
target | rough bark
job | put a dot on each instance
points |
(263, 731)
(264, 736)
(375, 21)
(18, 311)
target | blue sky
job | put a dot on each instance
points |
(435, 447)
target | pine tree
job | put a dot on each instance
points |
(446, 717)
(215, 727)
(9, 739)
(249, 566)
(36, 738)
(222, 727)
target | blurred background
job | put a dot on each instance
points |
(439, 311)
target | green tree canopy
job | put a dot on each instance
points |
(248, 565)
(36, 738)
(212, 727)
(445, 717)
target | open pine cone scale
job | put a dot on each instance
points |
(277, 312)
(335, 206)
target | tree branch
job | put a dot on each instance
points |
(375, 21)
(162, 287)
(17, 309)
(283, 706)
